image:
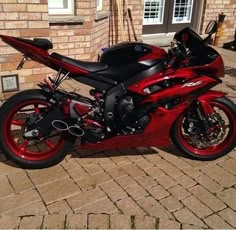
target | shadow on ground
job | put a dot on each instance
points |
(125, 152)
(230, 71)
(109, 153)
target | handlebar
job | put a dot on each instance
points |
(176, 54)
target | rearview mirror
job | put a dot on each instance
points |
(211, 27)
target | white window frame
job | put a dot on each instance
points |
(184, 21)
(57, 10)
(99, 5)
(152, 21)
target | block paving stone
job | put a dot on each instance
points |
(229, 216)
(171, 203)
(31, 222)
(207, 198)
(76, 221)
(229, 197)
(120, 222)
(5, 189)
(98, 221)
(54, 221)
(214, 221)
(58, 190)
(138, 188)
(9, 222)
(20, 181)
(145, 222)
(59, 207)
(197, 207)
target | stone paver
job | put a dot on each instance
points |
(116, 172)
(18, 201)
(31, 222)
(185, 216)
(154, 172)
(166, 181)
(229, 197)
(229, 216)
(196, 206)
(55, 221)
(186, 181)
(98, 221)
(158, 192)
(5, 189)
(214, 221)
(128, 206)
(171, 203)
(209, 184)
(129, 188)
(59, 207)
(20, 181)
(145, 222)
(126, 182)
(229, 165)
(179, 192)
(48, 175)
(153, 208)
(76, 221)
(207, 198)
(9, 222)
(101, 206)
(120, 222)
(114, 191)
(168, 224)
(8, 167)
(137, 192)
(58, 190)
(133, 170)
(220, 175)
(33, 208)
(93, 181)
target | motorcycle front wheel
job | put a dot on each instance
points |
(189, 139)
(40, 152)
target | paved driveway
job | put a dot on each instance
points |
(129, 188)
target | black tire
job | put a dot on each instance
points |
(225, 149)
(13, 103)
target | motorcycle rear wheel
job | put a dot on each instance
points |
(34, 152)
(181, 140)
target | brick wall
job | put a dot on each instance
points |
(214, 7)
(22, 18)
(81, 39)
(136, 7)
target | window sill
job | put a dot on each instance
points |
(101, 15)
(66, 20)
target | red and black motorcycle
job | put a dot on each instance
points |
(142, 96)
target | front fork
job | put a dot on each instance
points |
(204, 109)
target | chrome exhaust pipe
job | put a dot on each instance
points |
(60, 125)
(76, 131)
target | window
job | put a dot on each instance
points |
(182, 11)
(153, 12)
(99, 5)
(56, 7)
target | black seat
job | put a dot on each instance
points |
(89, 66)
(39, 42)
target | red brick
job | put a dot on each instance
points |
(14, 7)
(34, 33)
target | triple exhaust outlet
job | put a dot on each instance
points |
(62, 126)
